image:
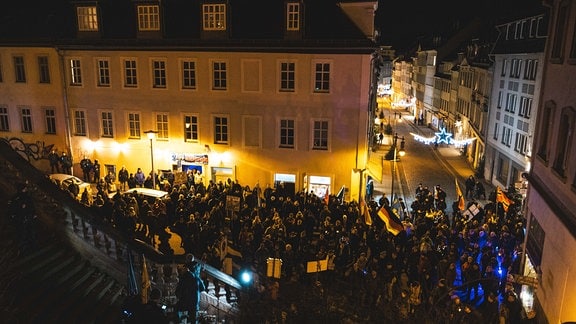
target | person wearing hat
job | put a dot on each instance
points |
(188, 291)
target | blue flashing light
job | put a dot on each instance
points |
(246, 277)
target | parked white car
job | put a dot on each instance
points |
(151, 194)
(64, 180)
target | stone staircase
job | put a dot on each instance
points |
(53, 284)
(68, 273)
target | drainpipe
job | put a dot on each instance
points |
(67, 128)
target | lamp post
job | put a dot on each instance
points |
(400, 152)
(151, 135)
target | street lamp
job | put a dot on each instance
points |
(400, 152)
(152, 135)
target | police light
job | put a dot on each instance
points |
(246, 277)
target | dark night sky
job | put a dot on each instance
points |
(402, 22)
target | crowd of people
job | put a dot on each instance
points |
(451, 264)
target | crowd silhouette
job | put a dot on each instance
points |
(451, 266)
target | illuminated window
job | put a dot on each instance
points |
(214, 16)
(148, 18)
(75, 72)
(50, 116)
(87, 18)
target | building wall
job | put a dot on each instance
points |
(519, 125)
(551, 198)
(251, 101)
(36, 96)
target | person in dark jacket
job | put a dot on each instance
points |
(188, 292)
(123, 177)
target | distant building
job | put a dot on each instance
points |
(261, 92)
(518, 69)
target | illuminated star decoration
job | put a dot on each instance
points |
(442, 136)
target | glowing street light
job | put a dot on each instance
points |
(152, 135)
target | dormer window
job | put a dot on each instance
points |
(87, 19)
(149, 18)
(293, 16)
(214, 17)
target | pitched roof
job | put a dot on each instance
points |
(251, 23)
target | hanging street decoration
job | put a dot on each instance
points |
(442, 137)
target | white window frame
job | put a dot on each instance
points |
(4, 119)
(287, 132)
(321, 76)
(221, 129)
(103, 72)
(191, 128)
(134, 120)
(214, 16)
(106, 123)
(19, 68)
(158, 67)
(320, 134)
(75, 72)
(188, 74)
(87, 18)
(525, 107)
(50, 120)
(292, 16)
(219, 75)
(26, 121)
(80, 127)
(162, 122)
(148, 17)
(130, 73)
(43, 69)
(287, 76)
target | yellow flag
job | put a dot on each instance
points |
(459, 196)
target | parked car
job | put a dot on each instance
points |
(64, 180)
(150, 194)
